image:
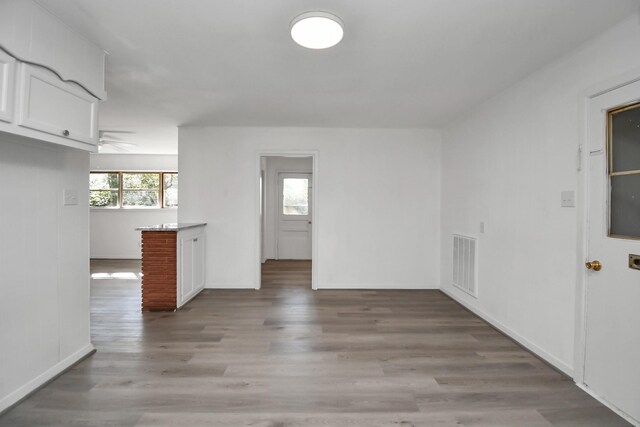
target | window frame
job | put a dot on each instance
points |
(160, 205)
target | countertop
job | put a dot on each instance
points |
(172, 226)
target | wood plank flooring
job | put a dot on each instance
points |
(289, 356)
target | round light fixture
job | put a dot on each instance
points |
(317, 30)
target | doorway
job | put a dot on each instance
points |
(287, 207)
(612, 285)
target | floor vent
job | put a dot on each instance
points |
(464, 264)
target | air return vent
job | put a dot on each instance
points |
(464, 264)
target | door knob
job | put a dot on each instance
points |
(594, 265)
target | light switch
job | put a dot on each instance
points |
(70, 197)
(482, 227)
(568, 199)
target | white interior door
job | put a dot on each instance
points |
(294, 215)
(612, 346)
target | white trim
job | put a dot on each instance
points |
(535, 349)
(57, 369)
(608, 404)
(386, 286)
(315, 225)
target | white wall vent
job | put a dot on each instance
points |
(464, 264)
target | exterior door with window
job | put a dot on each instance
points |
(612, 338)
(294, 217)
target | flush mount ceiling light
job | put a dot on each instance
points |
(317, 30)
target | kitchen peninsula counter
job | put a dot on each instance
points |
(173, 264)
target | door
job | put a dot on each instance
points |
(294, 215)
(612, 335)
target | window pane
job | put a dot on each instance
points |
(103, 198)
(103, 181)
(103, 190)
(625, 205)
(170, 189)
(295, 194)
(144, 198)
(141, 181)
(625, 140)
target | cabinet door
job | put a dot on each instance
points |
(50, 105)
(191, 267)
(186, 268)
(7, 86)
(198, 262)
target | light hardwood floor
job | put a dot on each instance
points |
(289, 356)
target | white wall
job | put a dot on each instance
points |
(274, 165)
(112, 232)
(506, 163)
(44, 264)
(378, 197)
(134, 162)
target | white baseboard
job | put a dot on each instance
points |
(547, 357)
(120, 256)
(387, 286)
(218, 285)
(609, 405)
(364, 286)
(16, 395)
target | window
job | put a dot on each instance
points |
(295, 196)
(141, 189)
(170, 190)
(624, 171)
(133, 189)
(103, 190)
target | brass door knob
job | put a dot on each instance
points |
(594, 265)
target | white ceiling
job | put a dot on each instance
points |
(406, 63)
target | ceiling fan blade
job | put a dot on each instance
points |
(116, 131)
(117, 142)
(116, 147)
(110, 138)
(119, 148)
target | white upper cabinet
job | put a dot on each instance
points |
(50, 105)
(32, 34)
(7, 84)
(51, 78)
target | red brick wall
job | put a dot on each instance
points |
(159, 270)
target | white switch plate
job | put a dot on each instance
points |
(568, 199)
(70, 197)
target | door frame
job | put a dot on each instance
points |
(585, 103)
(315, 223)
